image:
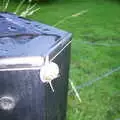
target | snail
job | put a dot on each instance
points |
(48, 72)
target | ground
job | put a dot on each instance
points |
(95, 55)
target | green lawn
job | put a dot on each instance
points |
(95, 53)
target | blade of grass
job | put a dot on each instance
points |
(30, 10)
(71, 16)
(75, 90)
(33, 11)
(5, 4)
(19, 6)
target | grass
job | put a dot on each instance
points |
(95, 51)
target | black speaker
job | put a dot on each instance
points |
(34, 69)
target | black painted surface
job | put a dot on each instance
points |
(28, 93)
(32, 99)
(22, 37)
(56, 102)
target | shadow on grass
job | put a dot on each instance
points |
(114, 110)
(93, 38)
